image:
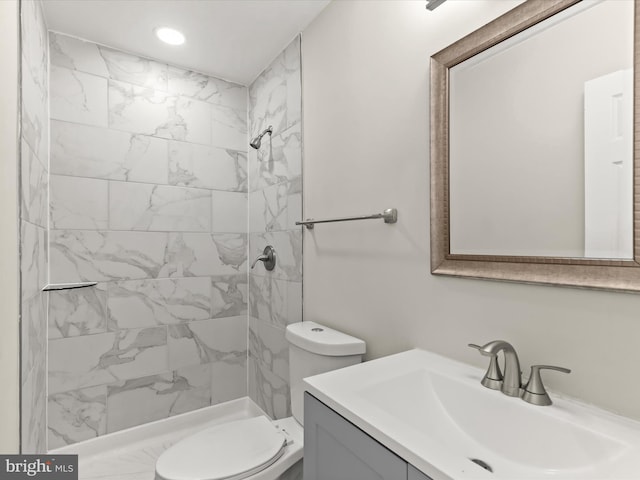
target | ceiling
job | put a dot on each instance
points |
(230, 39)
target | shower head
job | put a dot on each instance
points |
(255, 143)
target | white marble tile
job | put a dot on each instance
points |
(275, 96)
(209, 89)
(34, 219)
(76, 54)
(34, 42)
(229, 128)
(35, 179)
(77, 312)
(229, 212)
(35, 115)
(75, 362)
(99, 60)
(76, 416)
(268, 345)
(293, 80)
(33, 259)
(276, 301)
(146, 399)
(288, 246)
(294, 302)
(229, 295)
(142, 110)
(195, 254)
(208, 341)
(275, 208)
(195, 118)
(134, 69)
(281, 163)
(138, 206)
(33, 416)
(193, 165)
(228, 380)
(145, 303)
(79, 255)
(269, 391)
(79, 203)
(102, 359)
(86, 151)
(33, 327)
(153, 112)
(267, 104)
(78, 97)
(194, 384)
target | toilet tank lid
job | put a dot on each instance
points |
(322, 340)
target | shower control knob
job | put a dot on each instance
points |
(268, 257)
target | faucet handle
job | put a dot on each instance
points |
(268, 257)
(493, 378)
(534, 391)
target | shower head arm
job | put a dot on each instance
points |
(255, 143)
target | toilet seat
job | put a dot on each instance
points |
(230, 451)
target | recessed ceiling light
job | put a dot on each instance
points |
(170, 35)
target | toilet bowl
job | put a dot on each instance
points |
(259, 448)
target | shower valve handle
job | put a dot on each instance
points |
(268, 257)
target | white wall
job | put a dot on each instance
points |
(9, 272)
(366, 147)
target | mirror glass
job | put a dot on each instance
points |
(541, 139)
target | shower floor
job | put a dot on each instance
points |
(131, 454)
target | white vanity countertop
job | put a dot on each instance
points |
(434, 413)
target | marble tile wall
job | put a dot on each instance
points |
(34, 173)
(275, 203)
(149, 195)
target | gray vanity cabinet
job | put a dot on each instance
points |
(335, 449)
(415, 474)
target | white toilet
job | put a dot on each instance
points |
(260, 448)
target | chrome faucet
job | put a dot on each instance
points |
(512, 381)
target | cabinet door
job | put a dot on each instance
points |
(415, 474)
(335, 449)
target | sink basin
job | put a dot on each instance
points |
(433, 412)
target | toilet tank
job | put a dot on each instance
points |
(315, 349)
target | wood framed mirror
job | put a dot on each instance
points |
(481, 226)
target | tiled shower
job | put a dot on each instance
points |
(153, 194)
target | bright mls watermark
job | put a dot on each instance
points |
(51, 467)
